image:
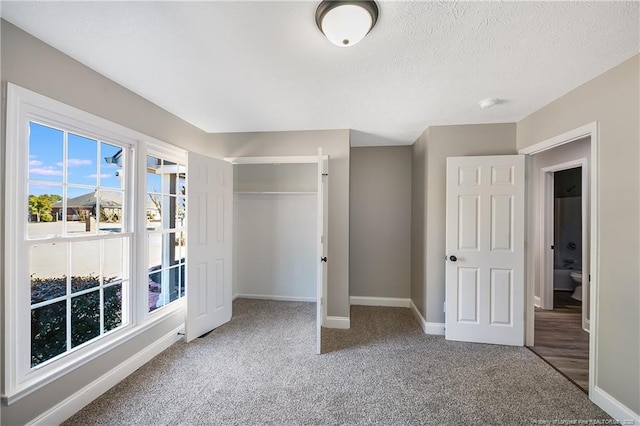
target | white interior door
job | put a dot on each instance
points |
(209, 244)
(485, 292)
(321, 283)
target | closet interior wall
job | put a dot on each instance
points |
(275, 217)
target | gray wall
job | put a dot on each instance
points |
(275, 178)
(380, 222)
(36, 66)
(442, 142)
(612, 99)
(334, 143)
(419, 221)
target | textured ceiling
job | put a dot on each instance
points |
(264, 66)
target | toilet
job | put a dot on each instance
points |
(576, 276)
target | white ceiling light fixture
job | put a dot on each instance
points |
(345, 23)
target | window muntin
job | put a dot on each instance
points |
(166, 234)
(77, 240)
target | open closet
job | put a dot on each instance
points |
(279, 228)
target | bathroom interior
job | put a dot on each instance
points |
(567, 272)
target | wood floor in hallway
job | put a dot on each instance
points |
(560, 340)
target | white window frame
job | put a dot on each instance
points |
(23, 106)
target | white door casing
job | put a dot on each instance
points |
(485, 291)
(209, 244)
(321, 283)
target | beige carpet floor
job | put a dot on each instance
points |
(260, 369)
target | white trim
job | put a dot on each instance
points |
(419, 317)
(395, 302)
(536, 301)
(433, 328)
(613, 407)
(274, 297)
(74, 403)
(592, 130)
(343, 323)
(289, 159)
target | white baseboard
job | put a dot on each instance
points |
(435, 328)
(71, 405)
(537, 302)
(394, 302)
(343, 323)
(614, 408)
(270, 297)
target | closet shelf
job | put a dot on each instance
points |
(275, 192)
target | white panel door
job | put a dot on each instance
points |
(209, 244)
(485, 294)
(321, 283)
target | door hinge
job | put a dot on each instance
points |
(325, 174)
(323, 259)
(553, 247)
(444, 306)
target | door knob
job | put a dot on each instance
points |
(453, 258)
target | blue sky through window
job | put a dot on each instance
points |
(85, 164)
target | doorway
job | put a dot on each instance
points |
(561, 317)
(562, 170)
(280, 223)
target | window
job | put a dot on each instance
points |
(166, 235)
(80, 206)
(78, 248)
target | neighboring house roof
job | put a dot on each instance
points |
(89, 200)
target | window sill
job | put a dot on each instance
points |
(65, 365)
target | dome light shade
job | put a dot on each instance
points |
(345, 23)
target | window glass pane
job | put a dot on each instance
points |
(81, 160)
(171, 249)
(154, 211)
(168, 206)
(155, 287)
(183, 281)
(45, 153)
(174, 284)
(45, 210)
(48, 271)
(181, 210)
(181, 241)
(112, 263)
(85, 265)
(85, 317)
(170, 176)
(181, 186)
(81, 211)
(155, 252)
(154, 181)
(112, 162)
(48, 332)
(111, 208)
(112, 307)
